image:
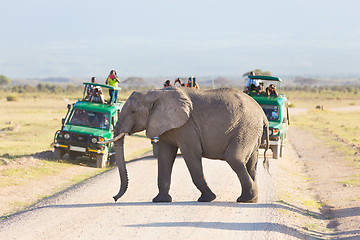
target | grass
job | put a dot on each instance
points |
(22, 175)
(338, 130)
(328, 99)
(312, 204)
(33, 122)
(352, 182)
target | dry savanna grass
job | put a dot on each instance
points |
(327, 99)
(28, 125)
(339, 130)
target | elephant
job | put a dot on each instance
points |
(224, 124)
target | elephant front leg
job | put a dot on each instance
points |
(197, 175)
(166, 158)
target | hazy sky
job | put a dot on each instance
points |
(84, 38)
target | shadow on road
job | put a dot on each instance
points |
(296, 231)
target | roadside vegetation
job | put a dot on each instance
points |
(327, 97)
(340, 130)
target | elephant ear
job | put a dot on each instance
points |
(171, 109)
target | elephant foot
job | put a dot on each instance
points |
(207, 197)
(162, 198)
(248, 199)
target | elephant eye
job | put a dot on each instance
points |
(133, 111)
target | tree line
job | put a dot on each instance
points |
(319, 89)
(42, 88)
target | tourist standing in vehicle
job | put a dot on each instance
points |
(192, 83)
(90, 89)
(113, 81)
(97, 96)
(271, 90)
(180, 83)
(252, 84)
(167, 84)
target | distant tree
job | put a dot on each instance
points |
(305, 81)
(57, 79)
(258, 72)
(70, 88)
(138, 81)
(221, 81)
(4, 80)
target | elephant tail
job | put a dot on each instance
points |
(266, 161)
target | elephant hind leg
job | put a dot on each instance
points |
(251, 165)
(249, 192)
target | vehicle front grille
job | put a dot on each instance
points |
(79, 137)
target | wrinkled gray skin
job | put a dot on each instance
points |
(221, 124)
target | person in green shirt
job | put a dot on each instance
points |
(112, 80)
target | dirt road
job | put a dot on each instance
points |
(88, 211)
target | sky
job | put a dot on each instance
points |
(166, 38)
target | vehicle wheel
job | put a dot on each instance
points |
(276, 151)
(58, 153)
(101, 159)
(155, 149)
(73, 156)
(282, 148)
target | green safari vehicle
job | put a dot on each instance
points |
(276, 111)
(85, 124)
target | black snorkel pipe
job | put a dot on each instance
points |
(63, 121)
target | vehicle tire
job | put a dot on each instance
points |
(102, 159)
(276, 151)
(282, 148)
(73, 156)
(58, 153)
(155, 149)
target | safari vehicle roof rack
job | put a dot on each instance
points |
(100, 85)
(268, 78)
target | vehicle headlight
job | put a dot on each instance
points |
(66, 135)
(94, 140)
(270, 132)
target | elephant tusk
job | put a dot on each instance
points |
(113, 139)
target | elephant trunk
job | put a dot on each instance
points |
(113, 139)
(120, 162)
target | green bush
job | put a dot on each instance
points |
(12, 98)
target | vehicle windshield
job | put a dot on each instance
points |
(92, 119)
(271, 112)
